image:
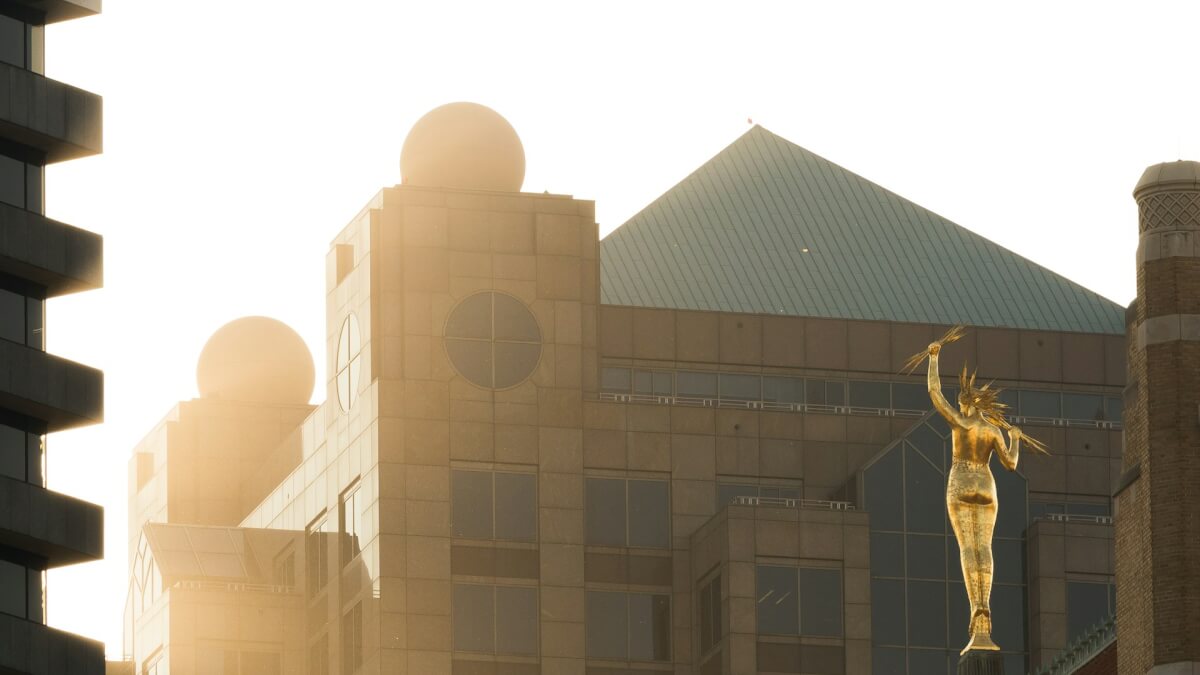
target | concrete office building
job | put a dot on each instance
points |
(684, 448)
(41, 121)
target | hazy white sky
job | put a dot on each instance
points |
(240, 136)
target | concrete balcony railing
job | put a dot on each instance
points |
(62, 121)
(30, 647)
(62, 393)
(61, 258)
(61, 529)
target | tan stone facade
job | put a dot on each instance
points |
(386, 564)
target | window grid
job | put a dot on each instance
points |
(497, 346)
(495, 506)
(596, 537)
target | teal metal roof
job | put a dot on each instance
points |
(767, 227)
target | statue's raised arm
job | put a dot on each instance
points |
(934, 380)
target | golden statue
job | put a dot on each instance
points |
(971, 501)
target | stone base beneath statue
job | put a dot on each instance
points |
(980, 663)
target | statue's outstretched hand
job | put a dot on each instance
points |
(935, 348)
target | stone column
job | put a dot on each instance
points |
(1157, 508)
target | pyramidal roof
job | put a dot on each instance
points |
(767, 227)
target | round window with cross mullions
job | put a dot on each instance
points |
(493, 340)
(349, 363)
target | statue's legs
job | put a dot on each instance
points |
(971, 504)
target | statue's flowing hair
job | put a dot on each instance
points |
(985, 399)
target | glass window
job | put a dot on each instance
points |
(471, 504)
(1113, 407)
(350, 526)
(13, 45)
(887, 612)
(1087, 605)
(1039, 404)
(778, 492)
(474, 617)
(649, 627)
(652, 382)
(605, 511)
(925, 494)
(870, 395)
(926, 556)
(820, 602)
(352, 640)
(35, 323)
(627, 513)
(1082, 407)
(517, 620)
(887, 554)
(14, 597)
(727, 493)
(741, 387)
(615, 380)
(778, 601)
(316, 555)
(487, 505)
(12, 181)
(927, 613)
(649, 513)
(783, 389)
(516, 506)
(910, 397)
(628, 626)
(12, 316)
(12, 452)
(884, 495)
(1089, 509)
(710, 615)
(493, 340)
(1008, 612)
(696, 385)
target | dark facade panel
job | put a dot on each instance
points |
(53, 118)
(57, 256)
(62, 393)
(28, 647)
(61, 529)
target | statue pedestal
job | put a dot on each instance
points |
(981, 663)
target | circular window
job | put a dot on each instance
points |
(349, 362)
(493, 340)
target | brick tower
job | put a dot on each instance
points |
(1158, 514)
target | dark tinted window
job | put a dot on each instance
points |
(727, 493)
(887, 612)
(35, 323)
(607, 625)
(12, 181)
(517, 620)
(885, 497)
(316, 554)
(1039, 404)
(1082, 407)
(926, 556)
(649, 627)
(471, 504)
(927, 613)
(12, 316)
(605, 511)
(615, 380)
(820, 602)
(474, 617)
(925, 495)
(1087, 605)
(710, 615)
(741, 387)
(514, 322)
(870, 395)
(13, 47)
(887, 554)
(493, 340)
(12, 452)
(783, 389)
(1008, 616)
(778, 601)
(696, 385)
(910, 397)
(516, 506)
(1113, 409)
(13, 596)
(649, 513)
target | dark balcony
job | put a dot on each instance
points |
(53, 118)
(62, 393)
(61, 10)
(61, 529)
(61, 258)
(30, 647)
